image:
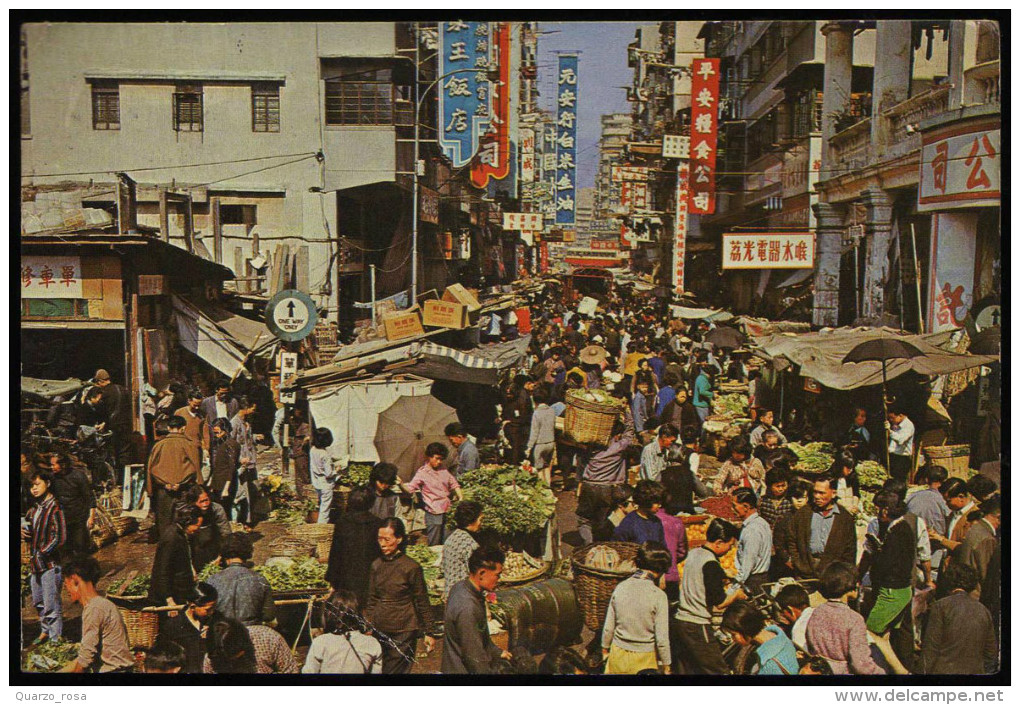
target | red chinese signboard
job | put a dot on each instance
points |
(493, 159)
(543, 258)
(704, 134)
(768, 250)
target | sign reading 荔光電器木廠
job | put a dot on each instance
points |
(768, 250)
(291, 315)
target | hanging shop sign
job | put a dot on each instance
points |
(527, 155)
(493, 160)
(634, 195)
(428, 205)
(683, 170)
(522, 221)
(619, 174)
(50, 277)
(288, 368)
(768, 250)
(566, 138)
(960, 167)
(676, 146)
(464, 93)
(704, 134)
(543, 257)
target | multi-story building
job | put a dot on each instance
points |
(255, 136)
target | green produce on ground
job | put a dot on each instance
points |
(136, 587)
(302, 574)
(814, 457)
(427, 559)
(515, 500)
(732, 405)
(594, 396)
(354, 475)
(871, 474)
(50, 656)
(208, 570)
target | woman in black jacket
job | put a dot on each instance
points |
(224, 463)
(205, 543)
(173, 579)
(355, 545)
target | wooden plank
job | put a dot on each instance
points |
(302, 269)
(164, 216)
(214, 211)
(277, 272)
(239, 271)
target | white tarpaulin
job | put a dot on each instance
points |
(222, 339)
(351, 413)
(707, 314)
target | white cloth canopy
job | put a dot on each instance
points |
(223, 339)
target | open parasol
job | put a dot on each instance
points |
(725, 337)
(881, 350)
(407, 427)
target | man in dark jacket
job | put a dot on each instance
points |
(173, 578)
(821, 533)
(116, 409)
(243, 594)
(355, 545)
(467, 647)
(76, 500)
(173, 465)
(959, 637)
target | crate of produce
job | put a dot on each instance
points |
(598, 568)
(590, 415)
(954, 458)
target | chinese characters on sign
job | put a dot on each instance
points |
(566, 136)
(704, 134)
(543, 258)
(960, 170)
(634, 194)
(620, 174)
(768, 250)
(464, 93)
(493, 160)
(527, 155)
(428, 208)
(683, 170)
(44, 277)
(525, 222)
(676, 146)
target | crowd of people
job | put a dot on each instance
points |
(922, 598)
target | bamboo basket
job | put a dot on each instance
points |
(142, 627)
(123, 526)
(594, 586)
(103, 531)
(589, 422)
(322, 549)
(313, 533)
(955, 458)
(290, 546)
(26, 553)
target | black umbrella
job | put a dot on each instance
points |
(880, 350)
(987, 342)
(725, 337)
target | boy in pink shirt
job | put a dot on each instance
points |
(436, 485)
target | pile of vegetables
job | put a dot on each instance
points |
(50, 656)
(299, 574)
(871, 474)
(514, 500)
(721, 507)
(815, 458)
(136, 587)
(285, 506)
(208, 570)
(731, 405)
(354, 475)
(595, 396)
(429, 562)
(294, 512)
(520, 565)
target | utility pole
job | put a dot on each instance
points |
(414, 198)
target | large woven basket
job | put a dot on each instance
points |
(589, 422)
(142, 627)
(124, 525)
(312, 533)
(593, 586)
(291, 547)
(955, 459)
(322, 549)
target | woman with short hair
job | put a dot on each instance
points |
(344, 646)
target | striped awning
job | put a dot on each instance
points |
(459, 356)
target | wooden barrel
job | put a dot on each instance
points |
(541, 615)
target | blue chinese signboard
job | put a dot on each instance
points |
(566, 139)
(464, 89)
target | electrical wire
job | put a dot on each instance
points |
(164, 168)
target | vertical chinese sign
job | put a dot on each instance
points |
(493, 160)
(527, 155)
(566, 138)
(543, 257)
(704, 133)
(683, 170)
(464, 90)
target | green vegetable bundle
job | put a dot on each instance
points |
(595, 396)
(136, 587)
(815, 458)
(208, 570)
(51, 656)
(422, 555)
(732, 405)
(426, 558)
(354, 475)
(513, 500)
(872, 474)
(303, 574)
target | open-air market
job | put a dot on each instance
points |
(424, 348)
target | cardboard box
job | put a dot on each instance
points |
(445, 314)
(402, 325)
(456, 293)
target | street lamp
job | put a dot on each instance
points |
(419, 97)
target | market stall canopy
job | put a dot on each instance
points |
(820, 355)
(51, 388)
(223, 339)
(707, 314)
(407, 427)
(351, 412)
(725, 337)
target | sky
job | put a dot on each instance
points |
(603, 72)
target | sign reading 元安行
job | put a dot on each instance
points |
(566, 139)
(768, 250)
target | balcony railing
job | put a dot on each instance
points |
(851, 148)
(981, 84)
(904, 117)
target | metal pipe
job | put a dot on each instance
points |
(414, 170)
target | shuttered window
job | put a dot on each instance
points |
(265, 107)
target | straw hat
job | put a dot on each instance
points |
(593, 355)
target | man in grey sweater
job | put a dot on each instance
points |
(636, 633)
(542, 437)
(467, 647)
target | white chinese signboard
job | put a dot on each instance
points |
(525, 222)
(683, 171)
(527, 155)
(46, 277)
(676, 146)
(620, 174)
(768, 250)
(960, 167)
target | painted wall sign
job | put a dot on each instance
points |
(50, 277)
(768, 250)
(960, 167)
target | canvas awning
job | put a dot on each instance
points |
(707, 314)
(223, 339)
(51, 388)
(820, 355)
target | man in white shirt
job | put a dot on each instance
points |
(901, 443)
(794, 612)
(653, 455)
(754, 548)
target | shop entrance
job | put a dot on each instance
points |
(60, 353)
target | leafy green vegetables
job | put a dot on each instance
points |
(136, 587)
(427, 559)
(354, 475)
(51, 656)
(514, 500)
(732, 405)
(302, 574)
(872, 474)
(815, 458)
(208, 570)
